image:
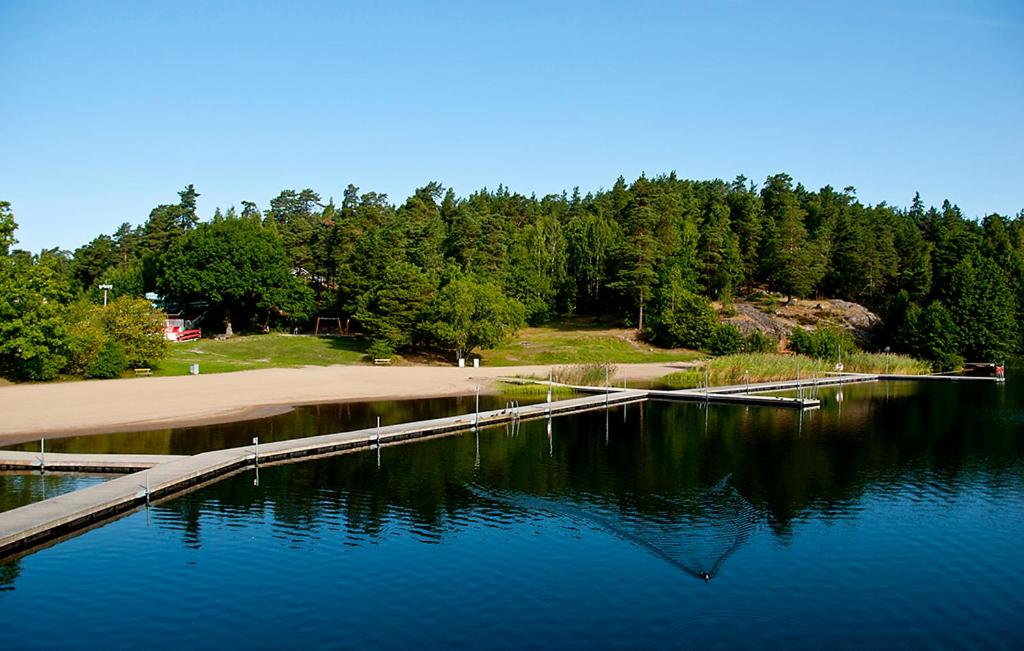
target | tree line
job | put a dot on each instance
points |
(456, 273)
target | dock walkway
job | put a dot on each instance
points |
(162, 476)
(34, 524)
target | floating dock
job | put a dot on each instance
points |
(34, 524)
(156, 477)
(63, 462)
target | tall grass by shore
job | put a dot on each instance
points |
(768, 367)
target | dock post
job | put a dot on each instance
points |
(550, 372)
(378, 432)
(607, 386)
(147, 488)
(746, 377)
(476, 419)
(42, 454)
(256, 451)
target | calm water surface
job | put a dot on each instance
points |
(21, 488)
(307, 420)
(891, 518)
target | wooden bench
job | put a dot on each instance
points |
(385, 361)
(139, 372)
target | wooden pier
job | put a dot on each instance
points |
(34, 524)
(156, 477)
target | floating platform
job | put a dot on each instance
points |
(35, 524)
(157, 477)
(63, 462)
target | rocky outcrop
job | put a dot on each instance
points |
(775, 317)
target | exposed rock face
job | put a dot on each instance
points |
(777, 318)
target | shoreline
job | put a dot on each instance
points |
(82, 408)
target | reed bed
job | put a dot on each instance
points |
(770, 367)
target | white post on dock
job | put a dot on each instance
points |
(147, 488)
(378, 442)
(799, 385)
(42, 453)
(256, 450)
(550, 376)
(746, 376)
(476, 419)
(607, 386)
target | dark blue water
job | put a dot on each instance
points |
(891, 519)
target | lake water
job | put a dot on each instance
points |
(891, 518)
(305, 420)
(21, 488)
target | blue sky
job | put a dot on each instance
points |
(109, 109)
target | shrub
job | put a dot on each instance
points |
(726, 339)
(110, 362)
(759, 342)
(380, 349)
(823, 343)
(137, 328)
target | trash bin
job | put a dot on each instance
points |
(193, 369)
(476, 362)
(462, 362)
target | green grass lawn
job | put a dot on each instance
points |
(569, 343)
(248, 352)
(579, 344)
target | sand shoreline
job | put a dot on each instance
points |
(29, 411)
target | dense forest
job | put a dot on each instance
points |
(456, 273)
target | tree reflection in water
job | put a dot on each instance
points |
(694, 533)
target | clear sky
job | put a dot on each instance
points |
(108, 109)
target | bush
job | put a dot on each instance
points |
(109, 363)
(759, 342)
(380, 349)
(137, 328)
(823, 343)
(726, 339)
(687, 321)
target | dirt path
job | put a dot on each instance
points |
(29, 411)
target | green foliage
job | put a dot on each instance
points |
(109, 362)
(683, 318)
(239, 267)
(380, 349)
(33, 326)
(468, 313)
(390, 312)
(7, 228)
(726, 339)
(823, 343)
(759, 342)
(137, 329)
(648, 253)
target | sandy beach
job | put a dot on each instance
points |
(28, 411)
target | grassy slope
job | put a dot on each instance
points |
(579, 344)
(573, 343)
(260, 351)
